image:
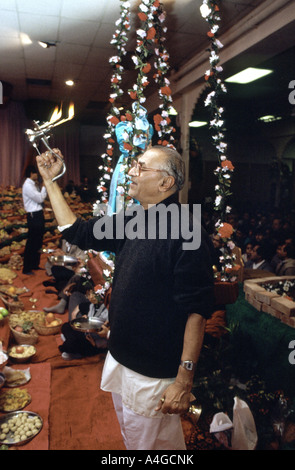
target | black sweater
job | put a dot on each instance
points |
(156, 285)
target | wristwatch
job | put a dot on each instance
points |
(188, 365)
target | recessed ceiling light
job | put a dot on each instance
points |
(248, 75)
(46, 44)
(269, 118)
(197, 123)
(70, 82)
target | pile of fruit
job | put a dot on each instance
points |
(51, 320)
(3, 313)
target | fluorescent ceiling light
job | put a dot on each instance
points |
(70, 82)
(269, 118)
(248, 75)
(197, 123)
(172, 111)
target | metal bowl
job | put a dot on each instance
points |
(24, 358)
(62, 260)
(87, 325)
(10, 436)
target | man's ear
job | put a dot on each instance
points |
(167, 183)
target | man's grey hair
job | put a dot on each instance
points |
(174, 164)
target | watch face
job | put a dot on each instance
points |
(189, 365)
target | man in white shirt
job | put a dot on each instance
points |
(33, 199)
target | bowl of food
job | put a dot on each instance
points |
(19, 427)
(22, 353)
(50, 324)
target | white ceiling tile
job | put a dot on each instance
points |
(8, 5)
(100, 56)
(77, 32)
(44, 72)
(12, 68)
(112, 10)
(104, 35)
(9, 24)
(72, 53)
(33, 26)
(10, 47)
(64, 71)
(42, 7)
(38, 54)
(83, 10)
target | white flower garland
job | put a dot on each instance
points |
(210, 12)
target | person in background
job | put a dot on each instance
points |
(247, 253)
(286, 266)
(258, 259)
(33, 199)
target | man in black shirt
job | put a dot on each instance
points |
(162, 294)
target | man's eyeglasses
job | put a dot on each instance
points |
(137, 168)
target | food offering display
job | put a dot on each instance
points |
(14, 399)
(22, 326)
(21, 353)
(15, 377)
(48, 324)
(17, 428)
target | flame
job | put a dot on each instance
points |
(71, 111)
(56, 115)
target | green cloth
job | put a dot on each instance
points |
(261, 345)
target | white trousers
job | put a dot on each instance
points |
(143, 433)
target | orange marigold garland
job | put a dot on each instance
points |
(210, 11)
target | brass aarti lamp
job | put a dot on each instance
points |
(42, 133)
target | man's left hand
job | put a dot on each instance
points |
(175, 399)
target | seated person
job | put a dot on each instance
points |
(247, 253)
(76, 343)
(62, 274)
(286, 266)
(76, 283)
(258, 259)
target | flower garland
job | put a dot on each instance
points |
(150, 33)
(210, 11)
(119, 40)
(162, 121)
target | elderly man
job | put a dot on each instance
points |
(161, 297)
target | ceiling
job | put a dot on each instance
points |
(82, 31)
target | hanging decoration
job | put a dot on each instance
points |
(119, 41)
(131, 126)
(210, 12)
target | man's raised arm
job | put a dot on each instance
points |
(49, 166)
